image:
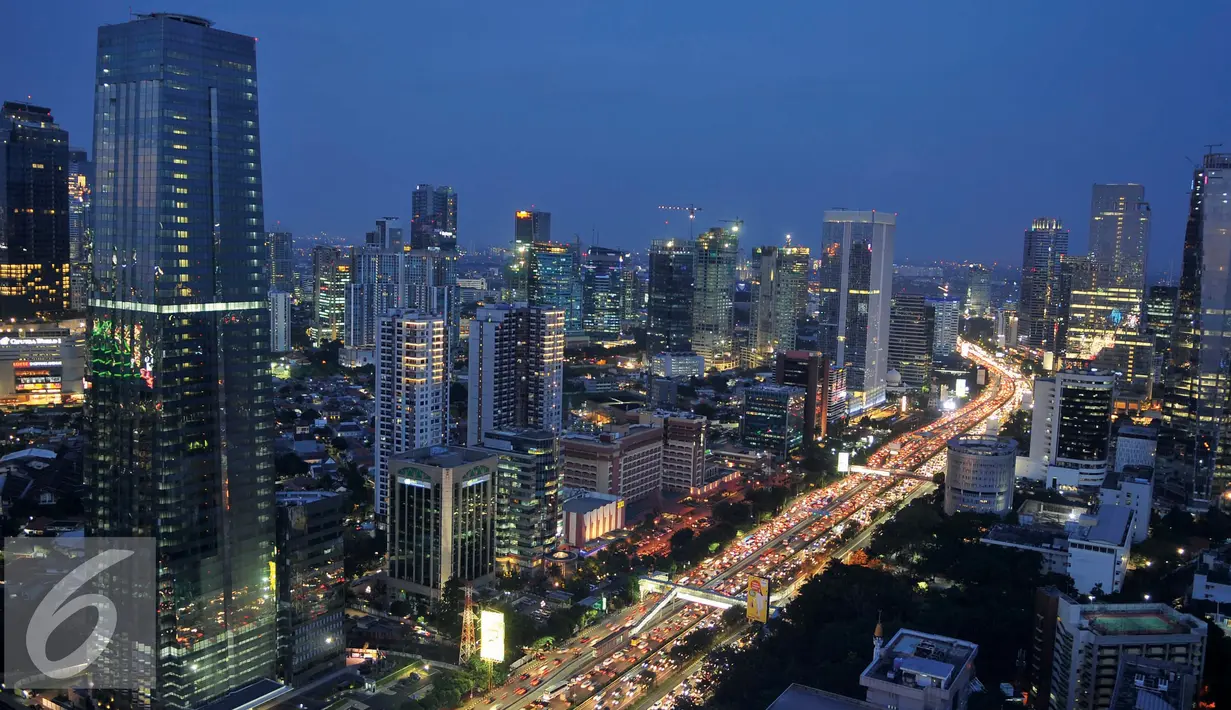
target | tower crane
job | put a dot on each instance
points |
(736, 224)
(692, 211)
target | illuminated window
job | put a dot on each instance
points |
(38, 166)
(181, 191)
(180, 176)
(182, 234)
(179, 161)
(181, 219)
(179, 146)
(181, 205)
(179, 131)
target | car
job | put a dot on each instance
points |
(520, 691)
(524, 676)
(536, 682)
(557, 662)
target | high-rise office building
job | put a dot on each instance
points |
(442, 520)
(527, 496)
(377, 284)
(670, 288)
(1038, 308)
(979, 292)
(528, 227)
(602, 301)
(825, 393)
(1195, 444)
(779, 288)
(1120, 235)
(387, 235)
(910, 339)
(856, 278)
(34, 213)
(713, 300)
(773, 419)
(553, 281)
(281, 262)
(80, 226)
(1160, 312)
(279, 321)
(180, 444)
(516, 370)
(311, 584)
(1102, 326)
(945, 315)
(433, 221)
(1071, 427)
(331, 274)
(980, 475)
(412, 391)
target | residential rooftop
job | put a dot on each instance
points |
(921, 660)
(442, 456)
(1136, 619)
(802, 697)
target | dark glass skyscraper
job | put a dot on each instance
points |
(602, 295)
(281, 261)
(34, 216)
(670, 297)
(80, 225)
(180, 399)
(1040, 303)
(1194, 445)
(433, 211)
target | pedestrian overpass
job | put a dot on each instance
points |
(673, 593)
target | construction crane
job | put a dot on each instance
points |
(692, 211)
(736, 224)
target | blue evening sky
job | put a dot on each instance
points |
(968, 119)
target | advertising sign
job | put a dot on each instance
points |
(491, 636)
(758, 599)
(844, 461)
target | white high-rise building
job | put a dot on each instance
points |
(946, 314)
(1070, 432)
(279, 321)
(516, 370)
(856, 285)
(412, 391)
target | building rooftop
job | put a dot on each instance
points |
(1136, 620)
(1114, 525)
(921, 660)
(582, 504)
(302, 497)
(1135, 474)
(1138, 431)
(442, 456)
(984, 445)
(801, 697)
(1151, 684)
(1052, 513)
(1039, 535)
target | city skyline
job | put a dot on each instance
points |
(775, 187)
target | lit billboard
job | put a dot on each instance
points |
(961, 387)
(844, 461)
(491, 636)
(758, 599)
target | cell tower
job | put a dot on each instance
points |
(470, 624)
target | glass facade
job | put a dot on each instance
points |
(80, 226)
(281, 262)
(779, 286)
(528, 495)
(34, 213)
(331, 271)
(773, 419)
(603, 293)
(1195, 443)
(1038, 307)
(179, 401)
(311, 582)
(669, 309)
(554, 281)
(713, 301)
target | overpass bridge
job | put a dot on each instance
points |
(674, 593)
(894, 472)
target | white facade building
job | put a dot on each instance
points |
(279, 321)
(1135, 446)
(857, 283)
(979, 478)
(412, 391)
(516, 370)
(673, 365)
(1071, 427)
(946, 317)
(1132, 487)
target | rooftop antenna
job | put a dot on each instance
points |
(1209, 148)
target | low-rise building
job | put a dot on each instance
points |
(1212, 585)
(1131, 486)
(1091, 549)
(1135, 445)
(684, 442)
(1143, 683)
(677, 365)
(589, 515)
(918, 671)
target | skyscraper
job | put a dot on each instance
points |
(1102, 326)
(528, 227)
(1120, 234)
(34, 213)
(279, 321)
(856, 285)
(669, 309)
(412, 391)
(331, 270)
(433, 221)
(387, 235)
(180, 401)
(779, 294)
(1071, 426)
(1038, 307)
(516, 370)
(553, 274)
(713, 300)
(945, 315)
(910, 339)
(978, 292)
(602, 299)
(80, 226)
(281, 262)
(813, 372)
(1195, 443)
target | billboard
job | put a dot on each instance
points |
(844, 461)
(961, 387)
(491, 636)
(758, 599)
(37, 376)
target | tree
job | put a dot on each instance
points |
(449, 609)
(288, 465)
(734, 616)
(704, 409)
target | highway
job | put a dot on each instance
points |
(788, 549)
